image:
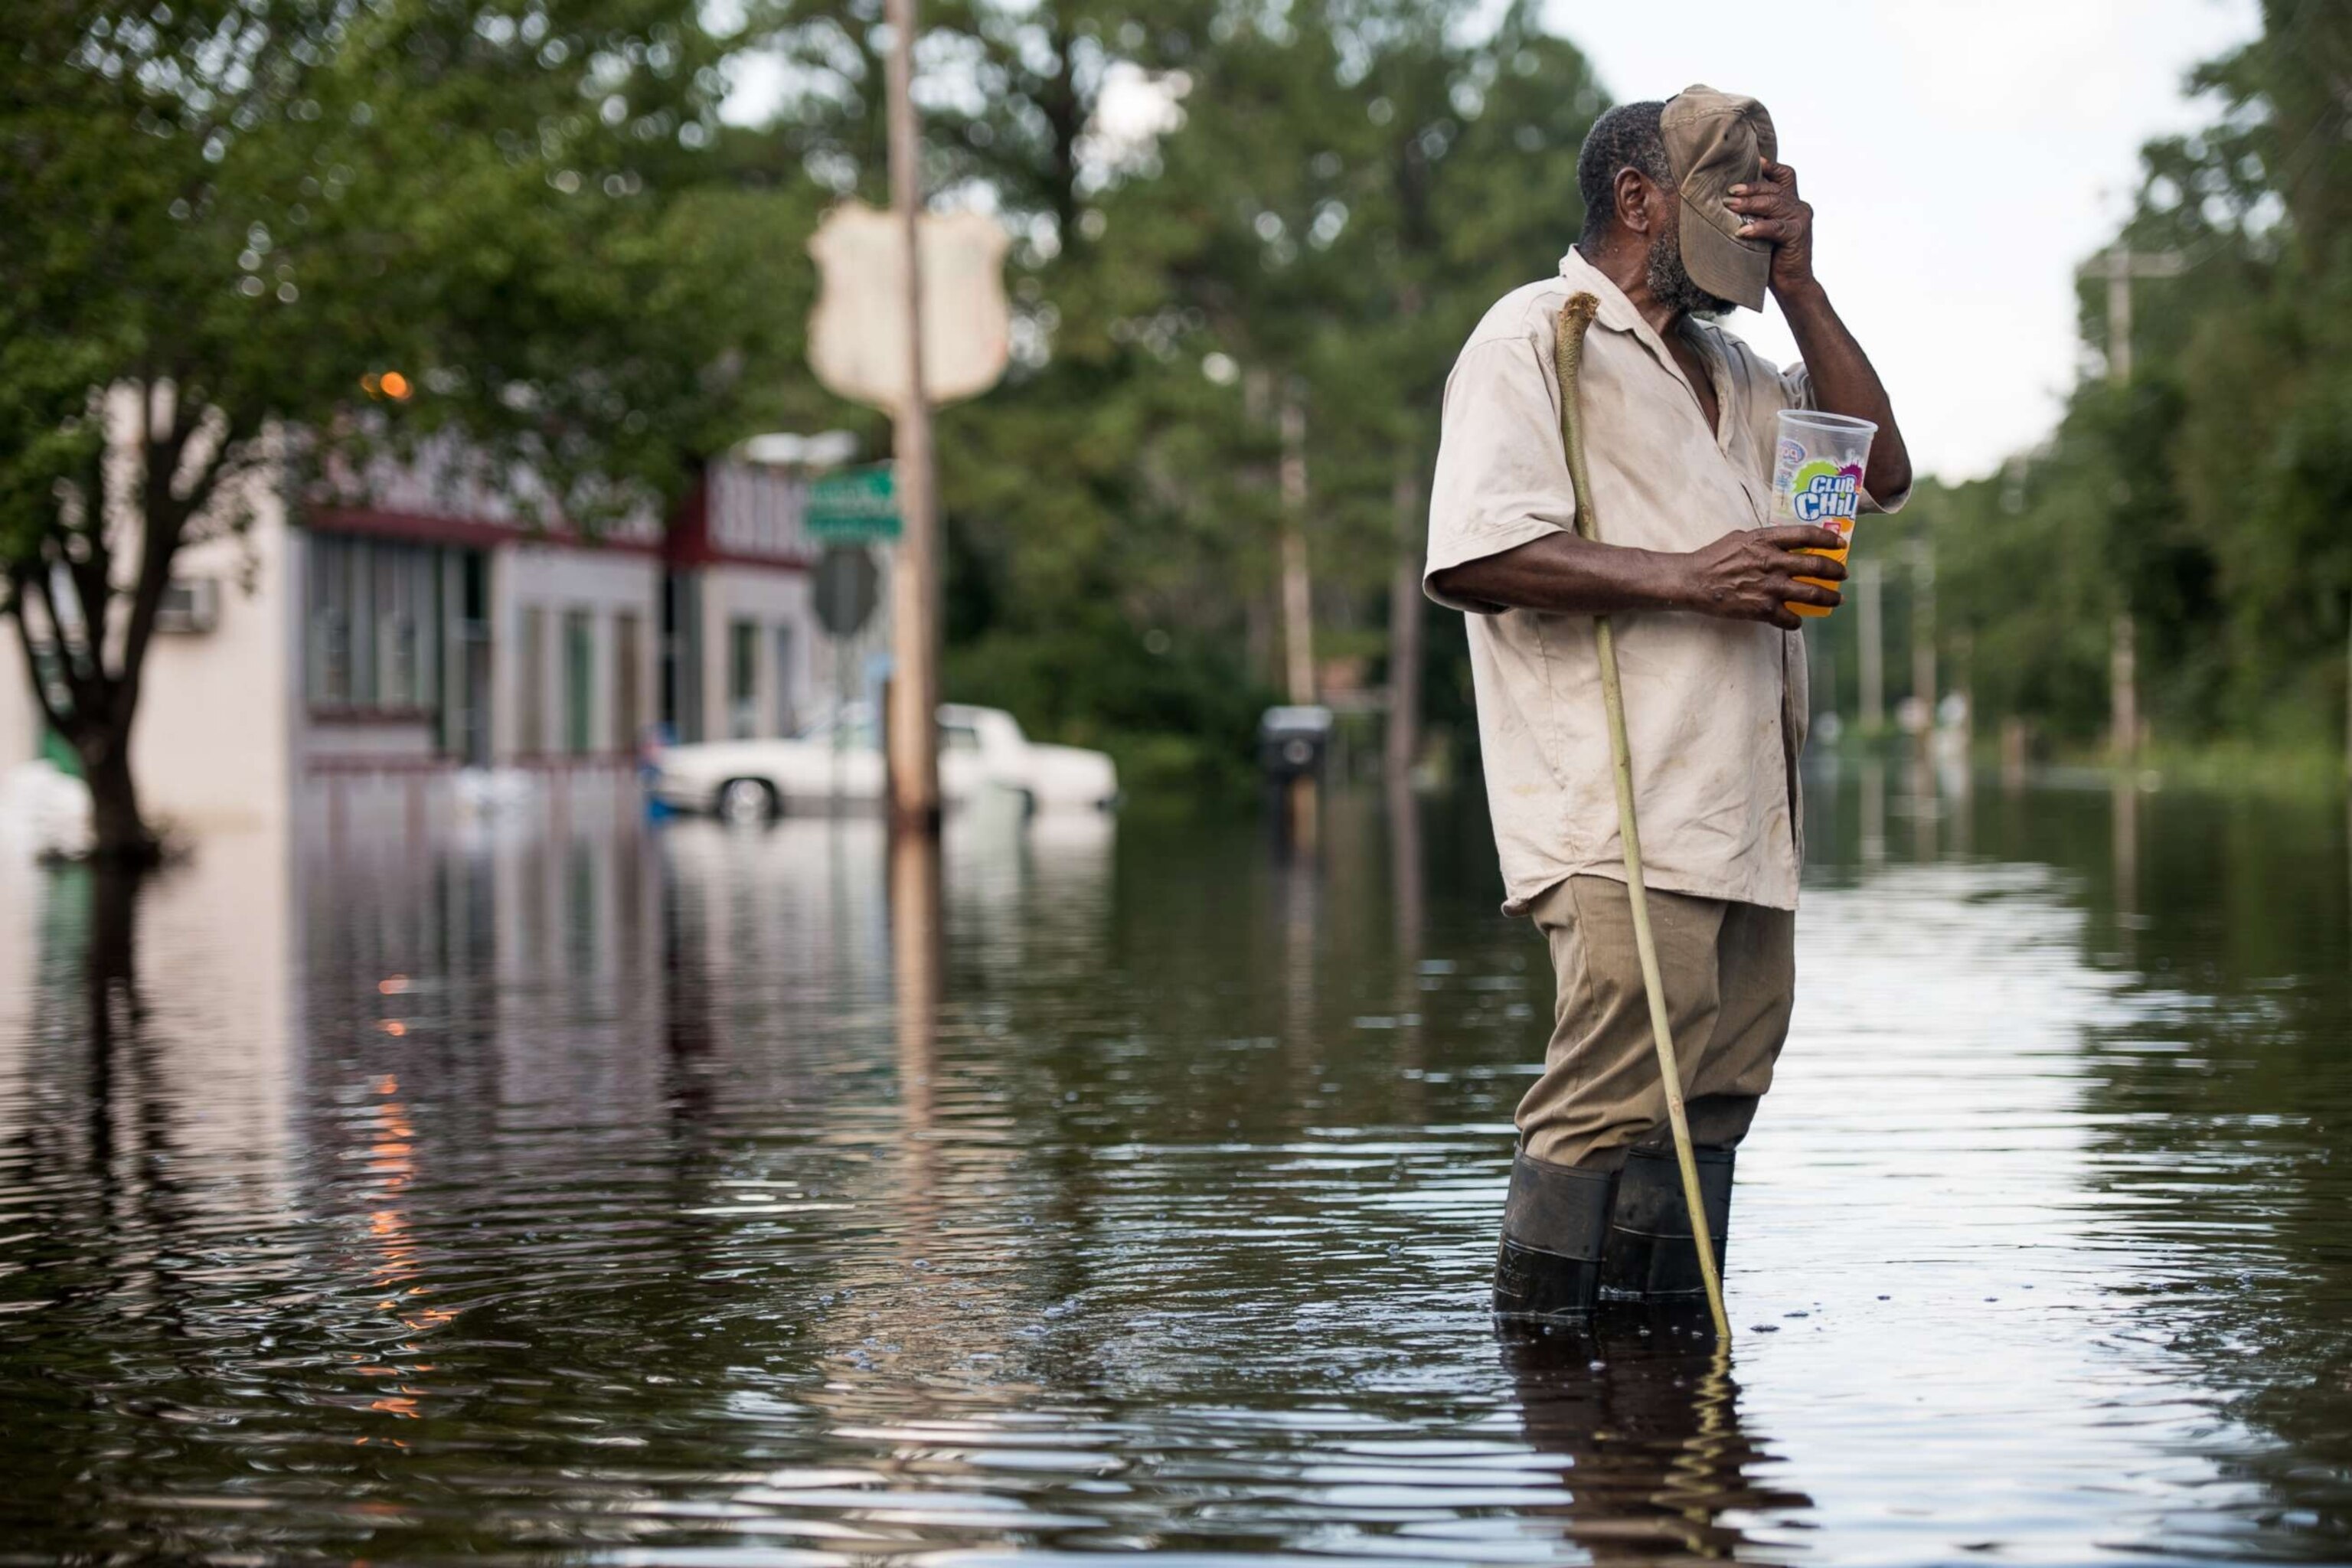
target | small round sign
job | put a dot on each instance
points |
(847, 586)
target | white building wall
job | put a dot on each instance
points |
(773, 600)
(558, 580)
(212, 745)
(20, 719)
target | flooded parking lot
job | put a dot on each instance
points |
(567, 1191)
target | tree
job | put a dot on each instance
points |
(2208, 495)
(247, 210)
(1462, 188)
(1331, 195)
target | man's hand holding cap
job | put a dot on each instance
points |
(1716, 141)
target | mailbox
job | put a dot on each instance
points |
(1293, 741)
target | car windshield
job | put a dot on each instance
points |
(852, 726)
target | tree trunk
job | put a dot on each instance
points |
(1405, 632)
(1922, 633)
(1872, 715)
(119, 832)
(1298, 584)
(2123, 689)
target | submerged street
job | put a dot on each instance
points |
(563, 1189)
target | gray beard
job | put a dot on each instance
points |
(1670, 281)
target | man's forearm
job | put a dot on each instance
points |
(1748, 574)
(1566, 573)
(1845, 383)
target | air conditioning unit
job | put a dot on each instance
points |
(189, 604)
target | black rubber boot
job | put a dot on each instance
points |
(1650, 1255)
(1554, 1225)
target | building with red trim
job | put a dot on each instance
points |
(411, 619)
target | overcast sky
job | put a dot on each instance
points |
(1962, 156)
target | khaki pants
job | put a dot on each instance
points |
(1730, 975)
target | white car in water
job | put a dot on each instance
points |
(836, 765)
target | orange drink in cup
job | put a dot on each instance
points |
(1817, 478)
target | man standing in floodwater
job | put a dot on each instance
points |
(1687, 213)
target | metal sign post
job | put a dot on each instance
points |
(911, 313)
(847, 587)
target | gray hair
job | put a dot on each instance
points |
(1626, 136)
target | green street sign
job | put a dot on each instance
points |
(853, 506)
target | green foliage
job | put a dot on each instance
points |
(1336, 192)
(242, 208)
(531, 210)
(1180, 718)
(2206, 497)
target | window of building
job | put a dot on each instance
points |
(374, 620)
(786, 720)
(531, 705)
(331, 621)
(466, 681)
(578, 679)
(682, 700)
(628, 710)
(742, 679)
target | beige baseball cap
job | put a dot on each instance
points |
(1716, 141)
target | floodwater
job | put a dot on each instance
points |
(561, 1192)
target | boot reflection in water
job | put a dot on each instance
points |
(1642, 1413)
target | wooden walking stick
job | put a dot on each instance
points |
(1567, 350)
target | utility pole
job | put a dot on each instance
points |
(1297, 595)
(2123, 686)
(1822, 673)
(2119, 265)
(913, 738)
(1402, 740)
(1923, 632)
(1867, 577)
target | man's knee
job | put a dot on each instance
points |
(1601, 1090)
(1717, 1120)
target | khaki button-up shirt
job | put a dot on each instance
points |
(1714, 710)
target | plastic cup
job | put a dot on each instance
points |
(1817, 480)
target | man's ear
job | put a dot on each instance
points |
(1635, 195)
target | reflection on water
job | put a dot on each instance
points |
(562, 1190)
(1640, 1418)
